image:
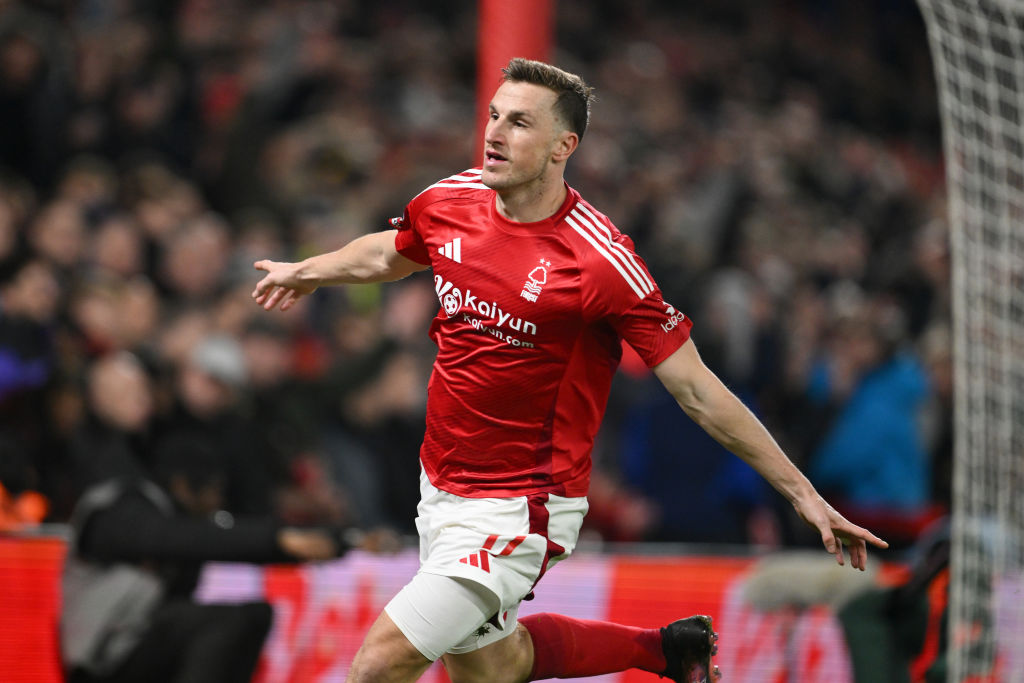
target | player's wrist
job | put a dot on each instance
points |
(308, 274)
(800, 492)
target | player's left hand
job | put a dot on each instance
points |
(837, 531)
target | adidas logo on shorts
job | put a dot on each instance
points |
(481, 558)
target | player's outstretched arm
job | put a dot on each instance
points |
(370, 258)
(717, 410)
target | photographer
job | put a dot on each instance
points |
(138, 548)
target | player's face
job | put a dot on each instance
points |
(522, 136)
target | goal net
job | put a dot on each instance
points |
(978, 51)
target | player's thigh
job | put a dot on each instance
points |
(387, 656)
(508, 660)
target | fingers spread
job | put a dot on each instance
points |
(837, 530)
(858, 551)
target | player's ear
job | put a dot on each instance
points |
(565, 145)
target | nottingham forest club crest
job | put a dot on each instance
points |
(535, 281)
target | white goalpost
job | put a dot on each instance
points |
(977, 48)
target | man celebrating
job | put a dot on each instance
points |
(537, 290)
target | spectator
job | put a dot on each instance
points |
(30, 299)
(118, 247)
(116, 437)
(195, 259)
(873, 455)
(287, 414)
(211, 401)
(29, 303)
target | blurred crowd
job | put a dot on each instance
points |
(777, 164)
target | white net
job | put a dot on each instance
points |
(978, 50)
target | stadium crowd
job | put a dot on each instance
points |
(777, 165)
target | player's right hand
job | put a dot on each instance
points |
(281, 286)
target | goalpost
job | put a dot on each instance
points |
(977, 48)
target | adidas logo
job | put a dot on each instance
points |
(452, 250)
(481, 558)
(478, 559)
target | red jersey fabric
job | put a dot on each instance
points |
(528, 337)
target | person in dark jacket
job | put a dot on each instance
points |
(138, 547)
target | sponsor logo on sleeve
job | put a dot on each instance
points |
(675, 318)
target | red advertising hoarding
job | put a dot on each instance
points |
(322, 611)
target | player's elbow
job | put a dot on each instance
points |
(690, 384)
(693, 400)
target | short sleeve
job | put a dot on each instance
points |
(619, 289)
(653, 327)
(409, 242)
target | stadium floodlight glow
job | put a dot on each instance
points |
(977, 48)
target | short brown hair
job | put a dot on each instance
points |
(573, 95)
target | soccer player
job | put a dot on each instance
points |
(537, 290)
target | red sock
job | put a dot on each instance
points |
(564, 647)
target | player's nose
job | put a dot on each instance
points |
(494, 132)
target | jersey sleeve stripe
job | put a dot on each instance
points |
(622, 264)
(602, 233)
(627, 257)
(468, 178)
(586, 234)
(463, 184)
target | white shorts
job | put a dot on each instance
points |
(493, 551)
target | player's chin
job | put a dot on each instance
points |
(496, 178)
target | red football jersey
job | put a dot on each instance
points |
(528, 337)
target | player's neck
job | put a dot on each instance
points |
(531, 203)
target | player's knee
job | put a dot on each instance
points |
(386, 655)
